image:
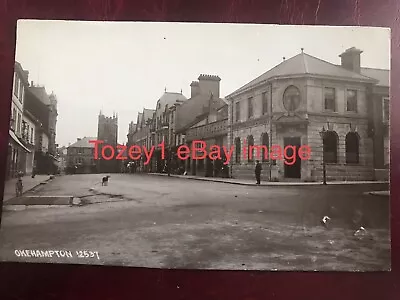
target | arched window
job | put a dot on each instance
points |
(237, 150)
(265, 142)
(352, 148)
(250, 154)
(330, 147)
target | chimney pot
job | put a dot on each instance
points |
(350, 59)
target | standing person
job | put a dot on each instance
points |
(258, 171)
(19, 187)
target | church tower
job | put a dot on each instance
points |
(107, 131)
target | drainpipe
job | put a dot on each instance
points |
(231, 139)
(270, 132)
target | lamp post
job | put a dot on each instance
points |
(169, 150)
(322, 134)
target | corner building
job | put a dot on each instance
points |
(307, 101)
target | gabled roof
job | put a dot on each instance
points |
(83, 143)
(139, 118)
(193, 110)
(147, 114)
(382, 75)
(41, 94)
(24, 74)
(305, 64)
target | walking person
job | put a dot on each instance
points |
(258, 171)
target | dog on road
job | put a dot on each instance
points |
(104, 181)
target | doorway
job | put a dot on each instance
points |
(294, 170)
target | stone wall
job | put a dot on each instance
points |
(340, 171)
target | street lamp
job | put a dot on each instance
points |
(322, 133)
(169, 152)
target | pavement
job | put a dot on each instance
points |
(163, 222)
(249, 182)
(28, 184)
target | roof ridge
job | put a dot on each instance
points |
(336, 66)
(304, 62)
(270, 70)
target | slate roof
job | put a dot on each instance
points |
(304, 64)
(24, 74)
(147, 114)
(41, 94)
(193, 110)
(83, 143)
(139, 119)
(168, 98)
(382, 75)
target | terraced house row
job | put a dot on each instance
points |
(340, 110)
(32, 133)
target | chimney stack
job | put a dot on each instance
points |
(195, 90)
(350, 59)
(209, 84)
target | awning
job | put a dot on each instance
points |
(16, 139)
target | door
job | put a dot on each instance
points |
(294, 170)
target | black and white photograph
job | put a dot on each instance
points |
(199, 146)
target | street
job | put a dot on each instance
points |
(166, 222)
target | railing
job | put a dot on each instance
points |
(207, 131)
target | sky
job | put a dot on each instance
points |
(123, 67)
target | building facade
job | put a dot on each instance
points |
(62, 159)
(307, 101)
(17, 151)
(80, 157)
(29, 124)
(43, 108)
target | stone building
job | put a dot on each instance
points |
(203, 117)
(153, 126)
(162, 129)
(62, 159)
(44, 109)
(80, 157)
(29, 130)
(139, 134)
(17, 151)
(107, 131)
(307, 101)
